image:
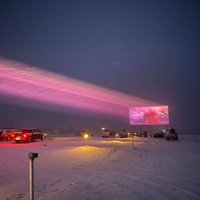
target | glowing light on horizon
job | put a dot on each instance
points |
(24, 84)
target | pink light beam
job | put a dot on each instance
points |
(27, 85)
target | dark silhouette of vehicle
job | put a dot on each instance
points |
(136, 133)
(108, 133)
(158, 134)
(7, 134)
(1, 137)
(124, 133)
(144, 134)
(171, 134)
(141, 133)
(29, 135)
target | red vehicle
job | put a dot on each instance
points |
(7, 134)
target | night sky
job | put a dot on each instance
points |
(149, 49)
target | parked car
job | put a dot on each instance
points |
(124, 133)
(144, 134)
(14, 135)
(151, 134)
(108, 133)
(29, 135)
(1, 137)
(171, 134)
(84, 132)
(158, 134)
(137, 133)
(141, 133)
(7, 134)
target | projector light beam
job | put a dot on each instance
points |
(24, 84)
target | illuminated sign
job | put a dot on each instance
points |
(150, 115)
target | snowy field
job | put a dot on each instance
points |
(106, 169)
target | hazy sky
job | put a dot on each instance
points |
(148, 49)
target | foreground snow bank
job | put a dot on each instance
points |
(105, 169)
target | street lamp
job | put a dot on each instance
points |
(86, 137)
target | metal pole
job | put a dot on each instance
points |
(133, 142)
(31, 157)
(31, 179)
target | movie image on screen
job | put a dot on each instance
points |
(149, 115)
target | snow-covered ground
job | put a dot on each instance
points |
(106, 169)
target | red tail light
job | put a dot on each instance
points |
(24, 135)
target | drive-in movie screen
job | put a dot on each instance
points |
(148, 115)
